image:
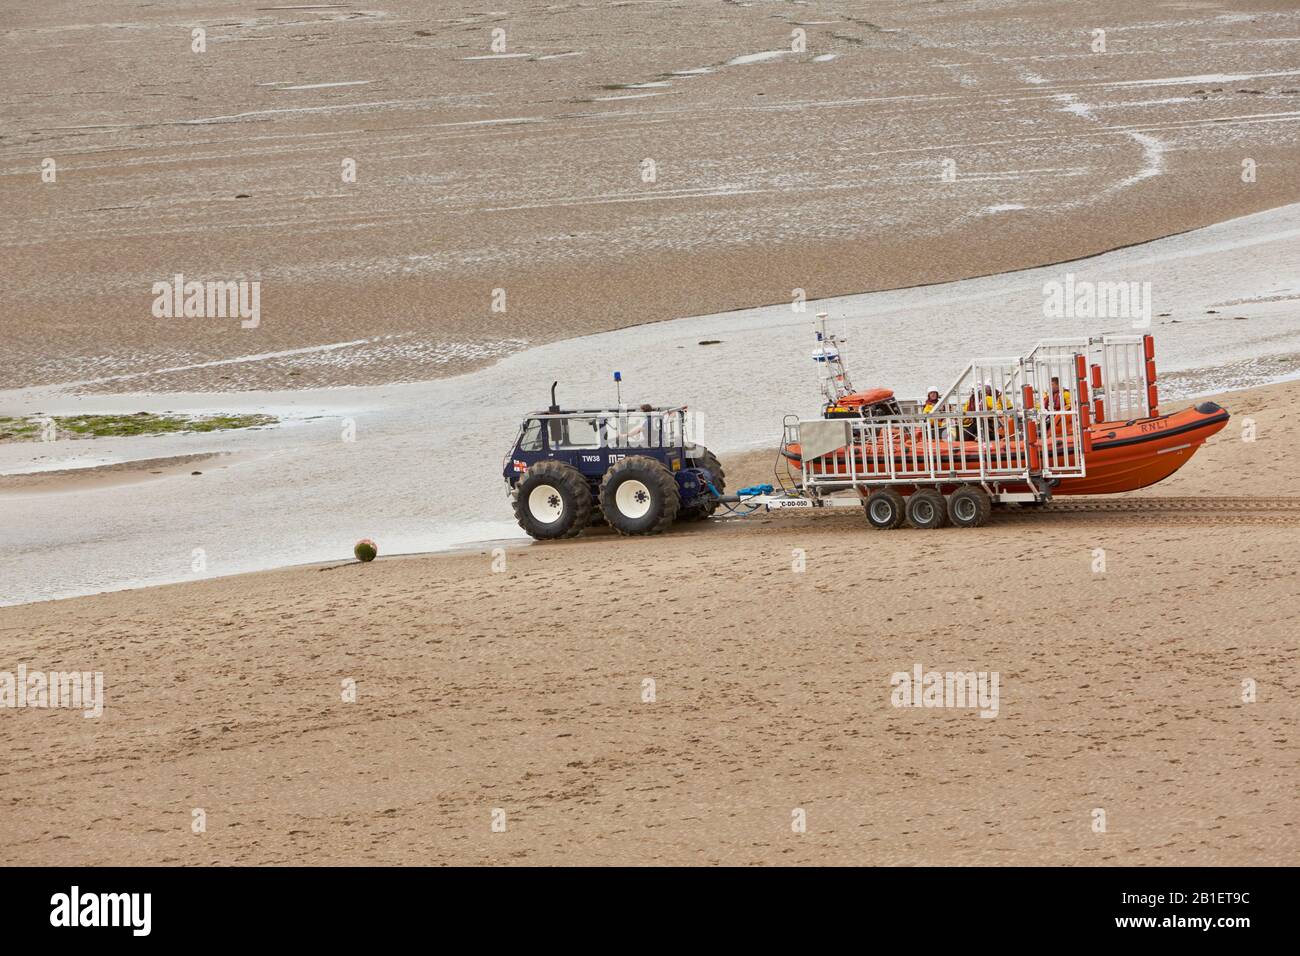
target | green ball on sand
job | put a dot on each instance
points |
(365, 550)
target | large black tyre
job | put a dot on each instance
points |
(969, 506)
(702, 508)
(639, 496)
(885, 509)
(926, 510)
(552, 500)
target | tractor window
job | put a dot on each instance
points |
(671, 435)
(532, 437)
(582, 433)
(626, 430)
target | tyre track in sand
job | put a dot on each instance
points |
(1206, 510)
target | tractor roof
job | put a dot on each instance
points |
(569, 413)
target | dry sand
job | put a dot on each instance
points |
(819, 170)
(522, 690)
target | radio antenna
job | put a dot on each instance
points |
(835, 379)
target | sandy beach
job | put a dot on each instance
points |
(446, 209)
(521, 690)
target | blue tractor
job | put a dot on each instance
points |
(633, 468)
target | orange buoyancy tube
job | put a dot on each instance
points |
(872, 396)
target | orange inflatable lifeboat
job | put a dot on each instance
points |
(1123, 456)
(1073, 417)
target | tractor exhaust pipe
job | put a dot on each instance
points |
(554, 409)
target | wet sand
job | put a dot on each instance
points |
(522, 691)
(60, 481)
(819, 170)
(423, 469)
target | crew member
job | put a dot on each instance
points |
(931, 404)
(968, 430)
(1057, 398)
(993, 400)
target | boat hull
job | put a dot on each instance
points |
(1129, 456)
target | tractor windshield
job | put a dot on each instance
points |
(531, 437)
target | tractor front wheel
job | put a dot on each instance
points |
(639, 495)
(552, 500)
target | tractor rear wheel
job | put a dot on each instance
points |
(884, 509)
(704, 506)
(969, 506)
(639, 495)
(552, 500)
(926, 510)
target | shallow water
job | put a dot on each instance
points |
(423, 472)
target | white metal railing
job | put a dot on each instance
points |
(1002, 419)
(949, 445)
(1054, 362)
(1060, 442)
(1124, 382)
(995, 377)
(1116, 368)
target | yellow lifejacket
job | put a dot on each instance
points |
(991, 403)
(1065, 397)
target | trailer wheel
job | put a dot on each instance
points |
(885, 509)
(969, 506)
(925, 509)
(704, 506)
(639, 496)
(552, 500)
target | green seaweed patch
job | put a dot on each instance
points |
(141, 423)
(18, 429)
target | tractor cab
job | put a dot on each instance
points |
(593, 439)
